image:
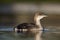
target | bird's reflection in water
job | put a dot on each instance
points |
(36, 35)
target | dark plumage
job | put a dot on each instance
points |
(25, 25)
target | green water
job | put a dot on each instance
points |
(15, 36)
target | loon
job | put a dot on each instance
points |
(36, 26)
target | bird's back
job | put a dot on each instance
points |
(25, 25)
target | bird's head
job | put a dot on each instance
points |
(39, 15)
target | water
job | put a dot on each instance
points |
(13, 36)
(29, 36)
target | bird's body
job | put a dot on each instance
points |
(36, 26)
(25, 25)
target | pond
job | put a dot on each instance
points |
(29, 36)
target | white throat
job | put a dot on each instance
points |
(38, 22)
(38, 19)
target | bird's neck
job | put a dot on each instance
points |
(38, 23)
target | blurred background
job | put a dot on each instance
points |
(22, 11)
(14, 12)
